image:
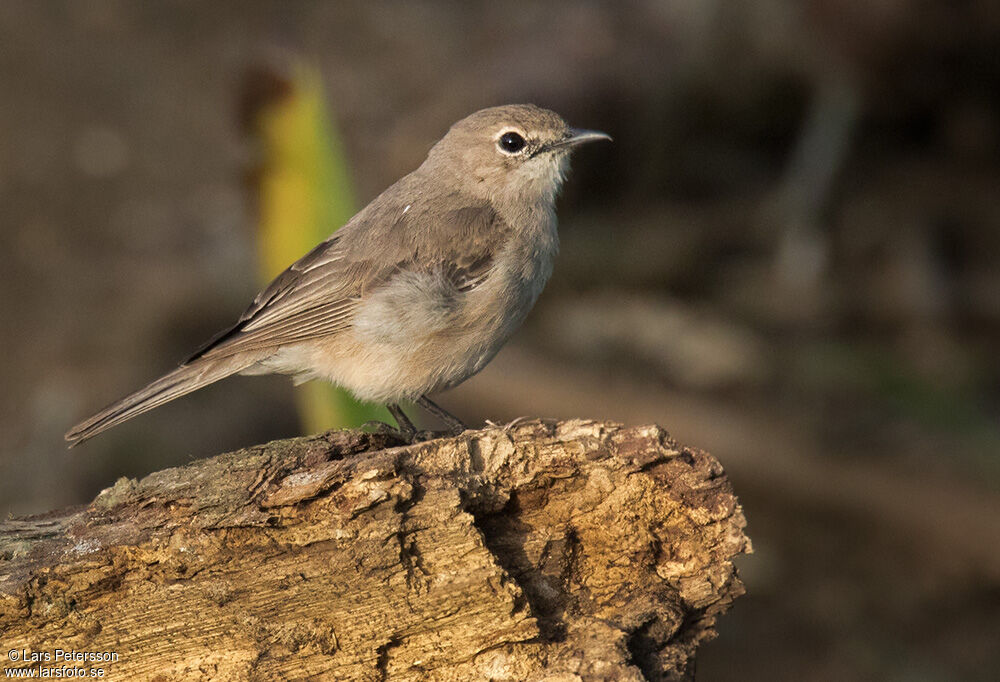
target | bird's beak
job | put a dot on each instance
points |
(577, 136)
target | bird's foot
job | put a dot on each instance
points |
(407, 433)
(422, 436)
(408, 437)
(383, 429)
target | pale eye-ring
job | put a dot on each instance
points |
(511, 142)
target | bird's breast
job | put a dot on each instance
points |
(520, 271)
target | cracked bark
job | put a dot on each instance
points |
(558, 551)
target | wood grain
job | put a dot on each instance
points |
(570, 550)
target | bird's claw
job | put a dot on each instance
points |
(384, 429)
(408, 437)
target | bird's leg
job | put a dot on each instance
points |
(405, 425)
(405, 431)
(455, 425)
(408, 433)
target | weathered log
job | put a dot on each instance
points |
(557, 551)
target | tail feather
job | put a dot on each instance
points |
(181, 381)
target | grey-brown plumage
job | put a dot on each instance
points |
(418, 291)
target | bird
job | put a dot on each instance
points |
(414, 294)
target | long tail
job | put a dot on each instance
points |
(181, 381)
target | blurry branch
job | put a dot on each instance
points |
(570, 550)
(304, 193)
(821, 151)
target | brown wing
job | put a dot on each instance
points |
(318, 294)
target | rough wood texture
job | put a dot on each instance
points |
(556, 551)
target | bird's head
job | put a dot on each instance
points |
(517, 151)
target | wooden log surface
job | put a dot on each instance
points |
(572, 550)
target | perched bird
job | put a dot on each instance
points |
(418, 291)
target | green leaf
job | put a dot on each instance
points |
(305, 194)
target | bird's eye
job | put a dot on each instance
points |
(511, 143)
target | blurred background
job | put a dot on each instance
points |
(788, 257)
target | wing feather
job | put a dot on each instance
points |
(318, 295)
